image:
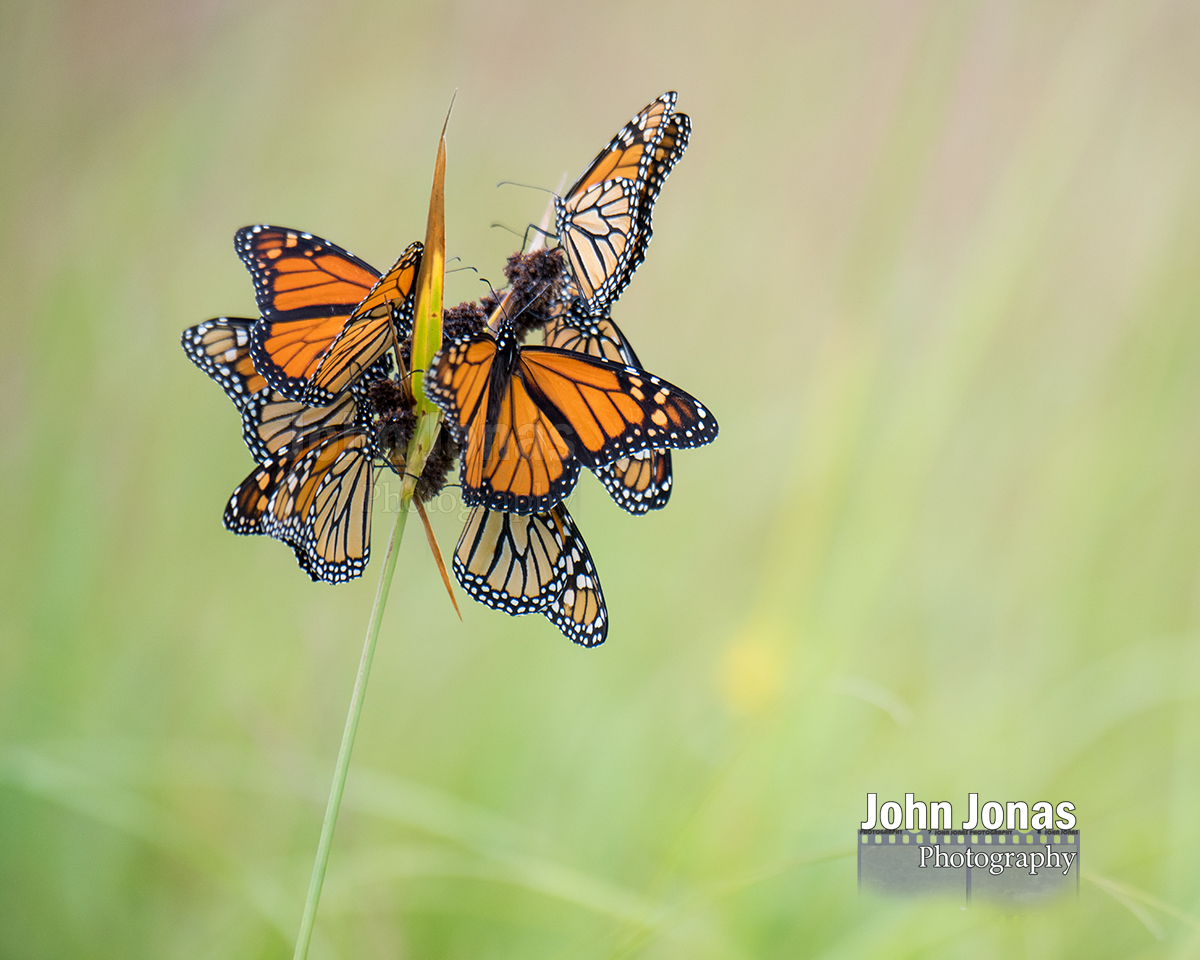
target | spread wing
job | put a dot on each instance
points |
(513, 457)
(524, 435)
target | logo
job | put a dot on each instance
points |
(1011, 851)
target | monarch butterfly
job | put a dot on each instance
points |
(308, 291)
(639, 482)
(527, 417)
(533, 564)
(312, 488)
(604, 220)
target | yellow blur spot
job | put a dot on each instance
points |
(750, 674)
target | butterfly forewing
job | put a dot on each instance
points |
(307, 288)
(526, 418)
(642, 481)
(629, 152)
(614, 411)
(382, 319)
(604, 220)
(221, 348)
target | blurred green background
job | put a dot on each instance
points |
(935, 266)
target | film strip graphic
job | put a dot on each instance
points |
(1010, 866)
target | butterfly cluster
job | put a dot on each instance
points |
(311, 378)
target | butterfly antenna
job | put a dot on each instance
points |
(505, 226)
(527, 186)
(543, 228)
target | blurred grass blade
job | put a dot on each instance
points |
(1131, 898)
(437, 555)
(427, 340)
(104, 802)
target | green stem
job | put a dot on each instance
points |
(343, 760)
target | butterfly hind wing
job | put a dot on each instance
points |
(640, 482)
(579, 610)
(533, 564)
(221, 348)
(599, 234)
(637, 483)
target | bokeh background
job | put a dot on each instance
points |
(936, 268)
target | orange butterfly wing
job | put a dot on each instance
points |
(307, 288)
(316, 498)
(384, 317)
(629, 153)
(313, 486)
(513, 457)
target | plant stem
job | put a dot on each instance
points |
(343, 760)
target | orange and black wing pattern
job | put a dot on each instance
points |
(312, 488)
(603, 221)
(307, 288)
(315, 497)
(513, 457)
(642, 481)
(270, 421)
(221, 348)
(526, 418)
(533, 564)
(579, 610)
(509, 562)
(382, 320)
(667, 152)
(629, 154)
